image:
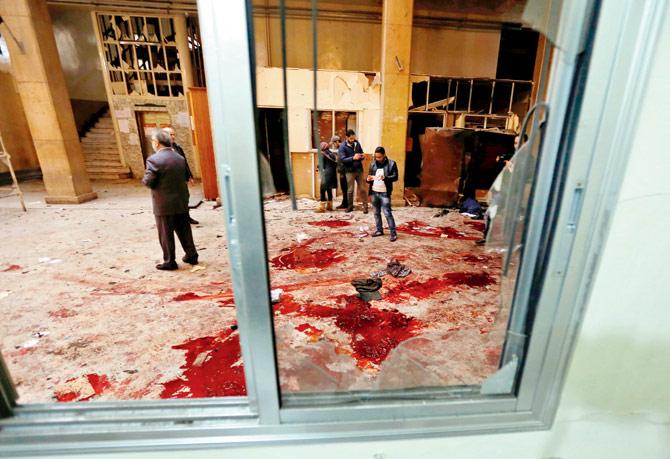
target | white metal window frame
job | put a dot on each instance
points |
(598, 146)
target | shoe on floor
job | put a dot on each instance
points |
(167, 266)
(193, 222)
(377, 233)
(190, 260)
(349, 209)
(342, 206)
(480, 242)
(365, 210)
(393, 237)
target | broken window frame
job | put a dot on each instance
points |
(595, 135)
(133, 44)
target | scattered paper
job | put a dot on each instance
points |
(301, 237)
(197, 268)
(4, 294)
(30, 343)
(275, 294)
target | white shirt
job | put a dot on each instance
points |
(378, 185)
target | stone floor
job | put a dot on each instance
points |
(87, 317)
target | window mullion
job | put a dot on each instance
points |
(227, 59)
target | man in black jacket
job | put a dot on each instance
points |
(381, 175)
(189, 175)
(166, 176)
(351, 156)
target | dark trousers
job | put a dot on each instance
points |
(167, 225)
(382, 202)
(326, 191)
(357, 177)
(343, 188)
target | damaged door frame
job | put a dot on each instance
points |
(599, 147)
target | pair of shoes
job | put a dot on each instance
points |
(190, 260)
(170, 266)
(322, 207)
(342, 206)
(349, 209)
(393, 237)
(480, 242)
(193, 222)
(377, 233)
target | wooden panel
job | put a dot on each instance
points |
(202, 138)
(305, 174)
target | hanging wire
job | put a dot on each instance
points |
(287, 153)
(315, 122)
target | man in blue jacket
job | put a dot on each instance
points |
(383, 172)
(351, 155)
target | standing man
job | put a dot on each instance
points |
(383, 172)
(342, 173)
(189, 175)
(351, 155)
(328, 173)
(166, 175)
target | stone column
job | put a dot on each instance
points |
(396, 55)
(41, 85)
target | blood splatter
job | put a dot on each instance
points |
(188, 296)
(373, 332)
(287, 305)
(421, 290)
(476, 224)
(300, 257)
(493, 355)
(419, 228)
(223, 298)
(311, 331)
(62, 313)
(98, 384)
(67, 396)
(470, 258)
(11, 268)
(330, 223)
(213, 368)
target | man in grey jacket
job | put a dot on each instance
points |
(166, 175)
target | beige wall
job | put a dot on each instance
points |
(359, 50)
(455, 53)
(345, 91)
(356, 46)
(14, 127)
(78, 52)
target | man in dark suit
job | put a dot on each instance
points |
(189, 175)
(166, 176)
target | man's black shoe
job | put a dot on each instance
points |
(342, 206)
(480, 242)
(167, 266)
(378, 233)
(193, 222)
(349, 209)
(365, 210)
(393, 237)
(190, 260)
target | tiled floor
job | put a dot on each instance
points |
(87, 317)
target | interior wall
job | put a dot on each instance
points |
(336, 90)
(455, 52)
(14, 126)
(342, 45)
(78, 51)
